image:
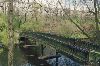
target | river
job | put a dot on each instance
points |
(21, 60)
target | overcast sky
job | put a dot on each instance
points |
(53, 3)
(65, 3)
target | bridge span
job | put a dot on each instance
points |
(77, 49)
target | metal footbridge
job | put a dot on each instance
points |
(76, 49)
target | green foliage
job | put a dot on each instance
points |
(4, 37)
(31, 25)
(3, 27)
(16, 23)
(79, 35)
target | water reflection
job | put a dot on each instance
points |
(27, 64)
(63, 61)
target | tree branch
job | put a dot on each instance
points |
(73, 21)
(88, 7)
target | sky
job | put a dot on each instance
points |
(65, 3)
(53, 3)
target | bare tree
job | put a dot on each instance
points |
(10, 33)
(95, 11)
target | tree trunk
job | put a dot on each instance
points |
(10, 33)
(97, 22)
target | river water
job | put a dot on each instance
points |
(19, 60)
(62, 61)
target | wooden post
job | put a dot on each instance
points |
(57, 58)
(42, 48)
(10, 33)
